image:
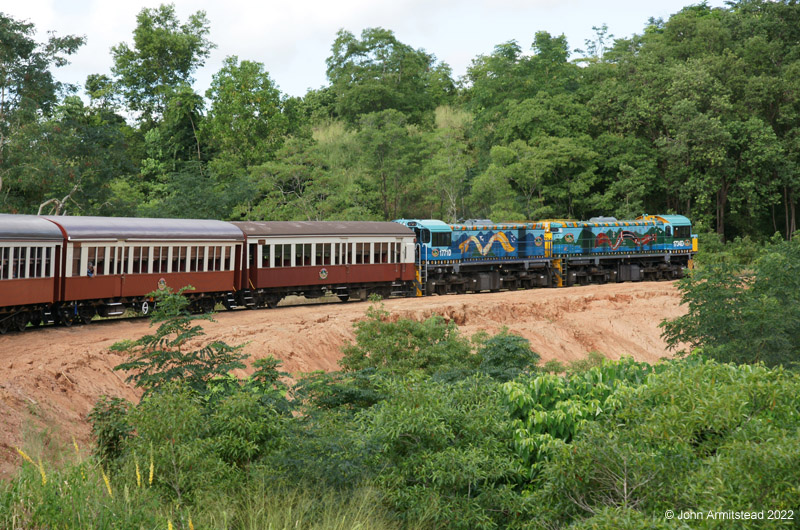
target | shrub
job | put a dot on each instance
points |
(443, 454)
(743, 315)
(161, 358)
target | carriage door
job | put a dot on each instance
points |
(253, 264)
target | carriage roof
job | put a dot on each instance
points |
(28, 228)
(135, 228)
(322, 228)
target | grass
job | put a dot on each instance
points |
(81, 493)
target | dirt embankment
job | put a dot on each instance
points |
(50, 378)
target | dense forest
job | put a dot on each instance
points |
(697, 115)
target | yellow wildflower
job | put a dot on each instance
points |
(108, 483)
(41, 472)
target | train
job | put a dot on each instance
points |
(68, 269)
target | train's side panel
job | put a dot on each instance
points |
(333, 275)
(486, 243)
(620, 238)
(27, 291)
(135, 285)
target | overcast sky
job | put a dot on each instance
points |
(292, 38)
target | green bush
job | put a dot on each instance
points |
(110, 427)
(697, 436)
(402, 346)
(161, 358)
(550, 410)
(443, 454)
(743, 315)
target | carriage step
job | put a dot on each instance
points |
(114, 309)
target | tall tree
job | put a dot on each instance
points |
(28, 89)
(392, 155)
(164, 55)
(378, 72)
(245, 121)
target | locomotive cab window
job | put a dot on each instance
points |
(441, 239)
(425, 236)
(683, 231)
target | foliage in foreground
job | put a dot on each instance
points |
(697, 436)
(413, 442)
(161, 358)
(743, 312)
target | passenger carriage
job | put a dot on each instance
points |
(30, 251)
(310, 258)
(112, 263)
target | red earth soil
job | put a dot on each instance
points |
(50, 378)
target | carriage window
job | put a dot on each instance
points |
(265, 255)
(122, 260)
(111, 260)
(302, 255)
(48, 256)
(20, 255)
(34, 263)
(226, 252)
(318, 253)
(326, 254)
(5, 265)
(283, 255)
(96, 262)
(179, 259)
(396, 253)
(160, 256)
(136, 266)
(193, 256)
(382, 252)
(213, 258)
(76, 261)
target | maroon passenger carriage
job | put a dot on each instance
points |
(112, 263)
(30, 251)
(350, 259)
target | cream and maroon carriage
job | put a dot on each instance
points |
(30, 252)
(309, 258)
(112, 263)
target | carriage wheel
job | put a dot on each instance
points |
(36, 319)
(65, 316)
(85, 314)
(20, 321)
(207, 305)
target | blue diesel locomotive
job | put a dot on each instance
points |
(481, 255)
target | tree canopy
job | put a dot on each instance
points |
(696, 115)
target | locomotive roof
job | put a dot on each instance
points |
(27, 227)
(123, 228)
(322, 228)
